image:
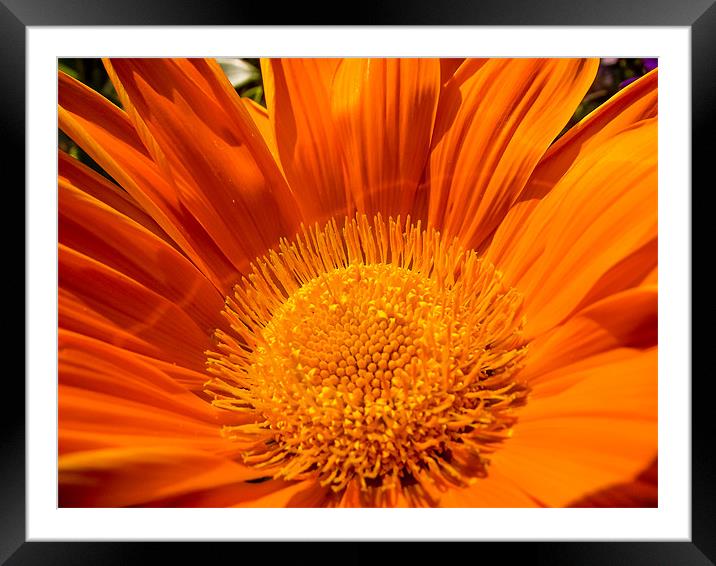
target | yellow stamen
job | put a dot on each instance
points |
(375, 354)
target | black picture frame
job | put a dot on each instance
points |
(698, 15)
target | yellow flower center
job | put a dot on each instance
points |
(375, 356)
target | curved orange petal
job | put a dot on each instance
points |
(625, 320)
(101, 302)
(298, 99)
(107, 135)
(448, 66)
(134, 251)
(638, 268)
(384, 110)
(601, 211)
(631, 105)
(636, 102)
(202, 136)
(599, 431)
(118, 477)
(495, 121)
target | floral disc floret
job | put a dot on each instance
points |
(373, 357)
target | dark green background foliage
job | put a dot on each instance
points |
(612, 73)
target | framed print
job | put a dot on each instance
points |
(360, 283)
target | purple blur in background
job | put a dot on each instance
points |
(648, 65)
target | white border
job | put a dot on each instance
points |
(671, 521)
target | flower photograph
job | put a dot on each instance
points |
(307, 282)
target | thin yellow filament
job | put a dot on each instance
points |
(375, 355)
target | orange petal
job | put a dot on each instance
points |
(600, 431)
(635, 103)
(232, 495)
(89, 420)
(109, 397)
(638, 268)
(601, 211)
(495, 490)
(560, 461)
(308, 493)
(622, 385)
(260, 117)
(97, 367)
(101, 302)
(495, 121)
(117, 477)
(187, 378)
(107, 135)
(134, 251)
(651, 278)
(202, 136)
(448, 66)
(643, 491)
(625, 320)
(77, 174)
(384, 110)
(298, 99)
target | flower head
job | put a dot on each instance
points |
(390, 287)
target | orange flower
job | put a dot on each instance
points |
(389, 288)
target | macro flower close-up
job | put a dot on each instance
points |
(370, 283)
